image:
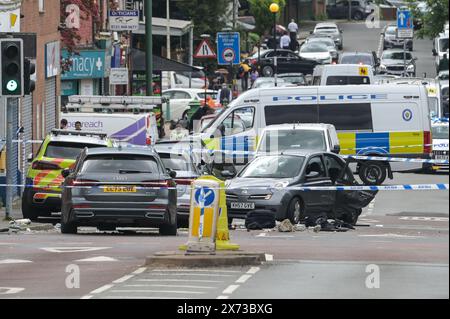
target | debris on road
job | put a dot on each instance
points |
(286, 226)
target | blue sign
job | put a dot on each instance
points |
(89, 64)
(229, 48)
(404, 19)
(204, 196)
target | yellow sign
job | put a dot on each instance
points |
(431, 90)
(363, 71)
(13, 19)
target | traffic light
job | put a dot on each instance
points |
(29, 68)
(12, 67)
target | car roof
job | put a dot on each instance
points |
(190, 90)
(285, 75)
(394, 51)
(299, 153)
(128, 150)
(309, 126)
(325, 24)
(96, 140)
(356, 53)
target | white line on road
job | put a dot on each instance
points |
(253, 270)
(161, 291)
(243, 279)
(223, 297)
(173, 286)
(142, 297)
(179, 279)
(101, 289)
(230, 289)
(123, 279)
(195, 270)
(191, 274)
(87, 297)
(261, 235)
(72, 249)
(139, 271)
(97, 259)
(14, 261)
(10, 290)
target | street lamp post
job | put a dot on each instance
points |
(275, 8)
(205, 37)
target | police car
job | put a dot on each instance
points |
(439, 128)
(59, 150)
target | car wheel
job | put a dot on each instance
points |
(372, 173)
(169, 229)
(358, 16)
(68, 228)
(295, 211)
(267, 71)
(29, 211)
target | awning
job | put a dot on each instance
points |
(178, 28)
(159, 63)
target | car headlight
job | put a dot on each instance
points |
(382, 67)
(410, 67)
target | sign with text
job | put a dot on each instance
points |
(118, 76)
(88, 64)
(405, 27)
(123, 20)
(229, 48)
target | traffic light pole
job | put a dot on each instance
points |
(11, 107)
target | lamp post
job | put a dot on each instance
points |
(275, 8)
(205, 37)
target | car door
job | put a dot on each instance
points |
(316, 175)
(341, 11)
(301, 65)
(179, 103)
(284, 62)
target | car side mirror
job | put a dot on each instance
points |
(172, 173)
(227, 174)
(66, 172)
(312, 175)
(434, 52)
(336, 149)
(221, 129)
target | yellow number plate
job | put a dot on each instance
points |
(119, 189)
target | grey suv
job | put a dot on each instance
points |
(359, 11)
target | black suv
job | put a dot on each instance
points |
(359, 11)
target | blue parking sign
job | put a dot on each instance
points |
(404, 19)
(229, 48)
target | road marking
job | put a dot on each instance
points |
(223, 297)
(72, 249)
(427, 219)
(253, 270)
(141, 297)
(269, 257)
(123, 279)
(10, 290)
(97, 259)
(173, 286)
(187, 274)
(381, 226)
(101, 289)
(195, 270)
(176, 280)
(161, 291)
(139, 271)
(87, 297)
(367, 220)
(391, 236)
(230, 289)
(261, 235)
(243, 279)
(14, 261)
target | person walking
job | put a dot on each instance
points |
(224, 96)
(285, 41)
(293, 31)
(254, 75)
(244, 71)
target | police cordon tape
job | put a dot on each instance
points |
(404, 187)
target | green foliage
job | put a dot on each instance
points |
(433, 20)
(321, 17)
(264, 18)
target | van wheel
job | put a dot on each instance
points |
(372, 173)
(267, 71)
(295, 211)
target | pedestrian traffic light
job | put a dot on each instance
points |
(12, 67)
(29, 68)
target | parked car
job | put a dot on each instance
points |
(359, 11)
(330, 29)
(392, 62)
(58, 151)
(269, 182)
(119, 187)
(328, 41)
(181, 161)
(293, 78)
(392, 41)
(180, 99)
(316, 51)
(343, 74)
(172, 80)
(288, 61)
(266, 82)
(366, 58)
(439, 129)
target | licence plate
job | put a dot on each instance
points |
(243, 205)
(441, 157)
(119, 189)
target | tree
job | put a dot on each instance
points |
(264, 18)
(433, 18)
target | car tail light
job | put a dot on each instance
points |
(183, 182)
(156, 184)
(148, 141)
(159, 207)
(83, 182)
(81, 206)
(44, 165)
(427, 142)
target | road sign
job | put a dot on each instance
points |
(205, 50)
(405, 27)
(229, 48)
(10, 21)
(123, 20)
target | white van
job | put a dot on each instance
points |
(369, 119)
(440, 47)
(343, 74)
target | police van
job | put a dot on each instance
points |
(343, 74)
(370, 120)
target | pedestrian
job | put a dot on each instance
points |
(63, 124)
(443, 63)
(224, 96)
(293, 30)
(194, 123)
(285, 41)
(244, 70)
(78, 126)
(254, 75)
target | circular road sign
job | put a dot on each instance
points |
(228, 55)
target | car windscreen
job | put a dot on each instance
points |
(357, 59)
(283, 166)
(433, 104)
(294, 79)
(440, 132)
(67, 150)
(347, 80)
(396, 55)
(314, 47)
(268, 84)
(443, 45)
(391, 30)
(284, 140)
(212, 95)
(326, 41)
(176, 162)
(326, 30)
(121, 164)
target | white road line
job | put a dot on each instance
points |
(253, 270)
(184, 274)
(195, 270)
(262, 235)
(123, 279)
(230, 289)
(243, 279)
(173, 286)
(176, 280)
(101, 289)
(87, 297)
(269, 257)
(223, 297)
(141, 297)
(161, 291)
(72, 249)
(97, 259)
(14, 261)
(139, 271)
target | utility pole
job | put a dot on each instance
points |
(11, 107)
(168, 29)
(234, 14)
(149, 46)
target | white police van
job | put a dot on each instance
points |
(343, 74)
(370, 120)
